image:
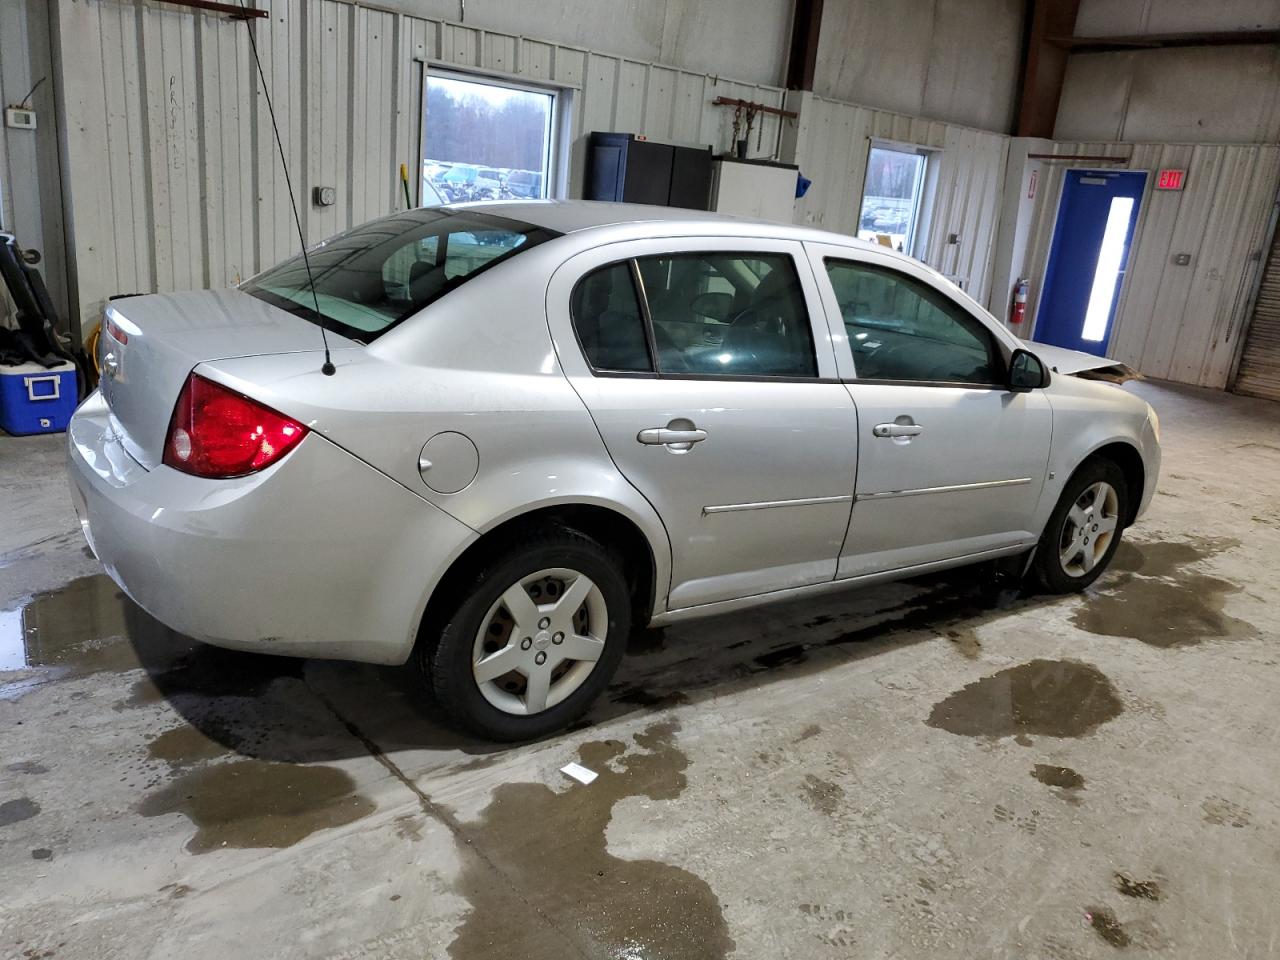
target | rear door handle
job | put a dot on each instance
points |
(658, 436)
(897, 430)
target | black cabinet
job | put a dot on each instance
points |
(622, 167)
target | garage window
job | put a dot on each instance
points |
(891, 196)
(487, 140)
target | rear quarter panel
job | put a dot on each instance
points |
(478, 362)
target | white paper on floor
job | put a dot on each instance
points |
(579, 772)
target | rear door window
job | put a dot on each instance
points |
(728, 314)
(608, 321)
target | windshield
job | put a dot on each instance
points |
(371, 277)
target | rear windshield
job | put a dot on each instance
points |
(371, 277)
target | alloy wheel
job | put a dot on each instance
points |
(540, 641)
(1088, 529)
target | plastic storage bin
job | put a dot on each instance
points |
(36, 399)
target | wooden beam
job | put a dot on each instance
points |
(806, 24)
(754, 107)
(1044, 65)
(1156, 41)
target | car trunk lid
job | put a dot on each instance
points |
(151, 344)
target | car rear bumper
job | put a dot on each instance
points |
(319, 555)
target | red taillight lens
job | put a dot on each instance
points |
(216, 432)
(115, 332)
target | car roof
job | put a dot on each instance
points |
(575, 216)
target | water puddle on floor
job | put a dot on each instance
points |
(551, 846)
(15, 811)
(1138, 889)
(1052, 698)
(1063, 777)
(255, 803)
(1160, 600)
(1107, 926)
(81, 625)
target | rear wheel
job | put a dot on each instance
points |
(1084, 529)
(534, 639)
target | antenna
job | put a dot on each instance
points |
(328, 369)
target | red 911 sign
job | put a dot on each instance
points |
(1170, 179)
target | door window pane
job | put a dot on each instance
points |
(902, 329)
(486, 141)
(729, 314)
(608, 321)
(891, 197)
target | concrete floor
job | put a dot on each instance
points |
(924, 770)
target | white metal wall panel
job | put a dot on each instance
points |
(175, 180)
(963, 196)
(1182, 323)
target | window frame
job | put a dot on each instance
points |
(1000, 356)
(642, 297)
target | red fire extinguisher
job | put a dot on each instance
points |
(1018, 310)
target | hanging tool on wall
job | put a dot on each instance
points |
(748, 111)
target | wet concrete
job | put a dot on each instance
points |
(1105, 925)
(250, 803)
(1138, 889)
(1052, 698)
(1164, 600)
(15, 811)
(551, 846)
(79, 626)
(1054, 776)
(823, 795)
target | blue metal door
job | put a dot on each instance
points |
(1088, 258)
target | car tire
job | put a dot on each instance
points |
(481, 628)
(1071, 553)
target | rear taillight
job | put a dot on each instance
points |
(216, 432)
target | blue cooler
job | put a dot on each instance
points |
(36, 399)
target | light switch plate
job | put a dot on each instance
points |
(20, 118)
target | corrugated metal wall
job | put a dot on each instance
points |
(30, 190)
(174, 181)
(1182, 323)
(964, 187)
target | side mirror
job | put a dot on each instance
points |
(1026, 372)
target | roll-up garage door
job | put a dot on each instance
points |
(1259, 374)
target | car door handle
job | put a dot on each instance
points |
(663, 435)
(897, 430)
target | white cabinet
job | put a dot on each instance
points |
(754, 188)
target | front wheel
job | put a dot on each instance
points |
(534, 639)
(1084, 529)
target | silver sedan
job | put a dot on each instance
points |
(547, 422)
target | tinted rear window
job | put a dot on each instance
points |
(371, 277)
